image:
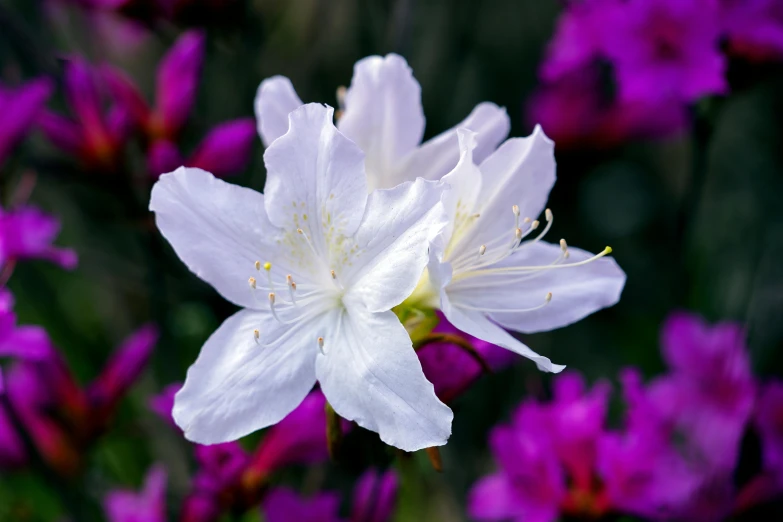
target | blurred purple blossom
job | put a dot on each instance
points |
(769, 423)
(96, 136)
(61, 418)
(147, 505)
(754, 28)
(28, 233)
(20, 108)
(451, 369)
(374, 500)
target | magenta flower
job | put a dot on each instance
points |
(23, 342)
(20, 108)
(285, 505)
(95, 136)
(61, 418)
(224, 151)
(175, 90)
(374, 499)
(754, 28)
(28, 233)
(147, 505)
(451, 369)
(530, 485)
(666, 49)
(163, 403)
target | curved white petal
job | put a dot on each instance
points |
(239, 385)
(370, 374)
(383, 115)
(464, 184)
(218, 229)
(315, 181)
(520, 172)
(275, 99)
(437, 156)
(392, 243)
(576, 292)
(477, 324)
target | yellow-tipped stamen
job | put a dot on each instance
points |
(256, 335)
(515, 210)
(257, 264)
(321, 345)
(482, 250)
(291, 287)
(252, 282)
(511, 270)
(547, 300)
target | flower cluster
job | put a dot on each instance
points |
(639, 78)
(674, 458)
(99, 137)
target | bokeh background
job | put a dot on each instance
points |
(693, 212)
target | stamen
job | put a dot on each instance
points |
(526, 220)
(272, 307)
(548, 214)
(534, 225)
(256, 335)
(509, 270)
(482, 250)
(321, 345)
(252, 282)
(291, 287)
(334, 276)
(564, 248)
(547, 300)
(312, 248)
(515, 210)
(257, 264)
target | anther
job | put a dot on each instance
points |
(483, 249)
(271, 298)
(272, 307)
(518, 233)
(252, 282)
(256, 335)
(548, 297)
(534, 225)
(334, 276)
(563, 245)
(257, 265)
(548, 214)
(321, 345)
(291, 287)
(526, 220)
(515, 210)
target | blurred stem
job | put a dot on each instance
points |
(334, 432)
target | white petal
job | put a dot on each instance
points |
(576, 292)
(370, 374)
(393, 241)
(464, 186)
(521, 172)
(275, 99)
(436, 157)
(383, 115)
(477, 324)
(238, 385)
(218, 229)
(315, 179)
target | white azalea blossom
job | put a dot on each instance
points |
(316, 264)
(384, 117)
(492, 270)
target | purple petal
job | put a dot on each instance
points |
(82, 95)
(374, 497)
(284, 505)
(12, 453)
(123, 368)
(28, 233)
(769, 423)
(20, 109)
(127, 94)
(177, 82)
(62, 132)
(162, 157)
(226, 150)
(163, 403)
(148, 505)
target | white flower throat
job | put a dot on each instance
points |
(469, 263)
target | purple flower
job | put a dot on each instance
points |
(123, 369)
(285, 505)
(163, 403)
(224, 151)
(175, 91)
(530, 484)
(95, 136)
(20, 108)
(769, 424)
(147, 505)
(28, 233)
(754, 28)
(24, 342)
(451, 369)
(666, 49)
(374, 497)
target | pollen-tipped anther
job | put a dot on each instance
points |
(257, 264)
(482, 250)
(252, 282)
(334, 276)
(321, 345)
(256, 335)
(534, 225)
(548, 297)
(548, 214)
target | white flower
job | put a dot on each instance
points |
(317, 264)
(490, 267)
(383, 115)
